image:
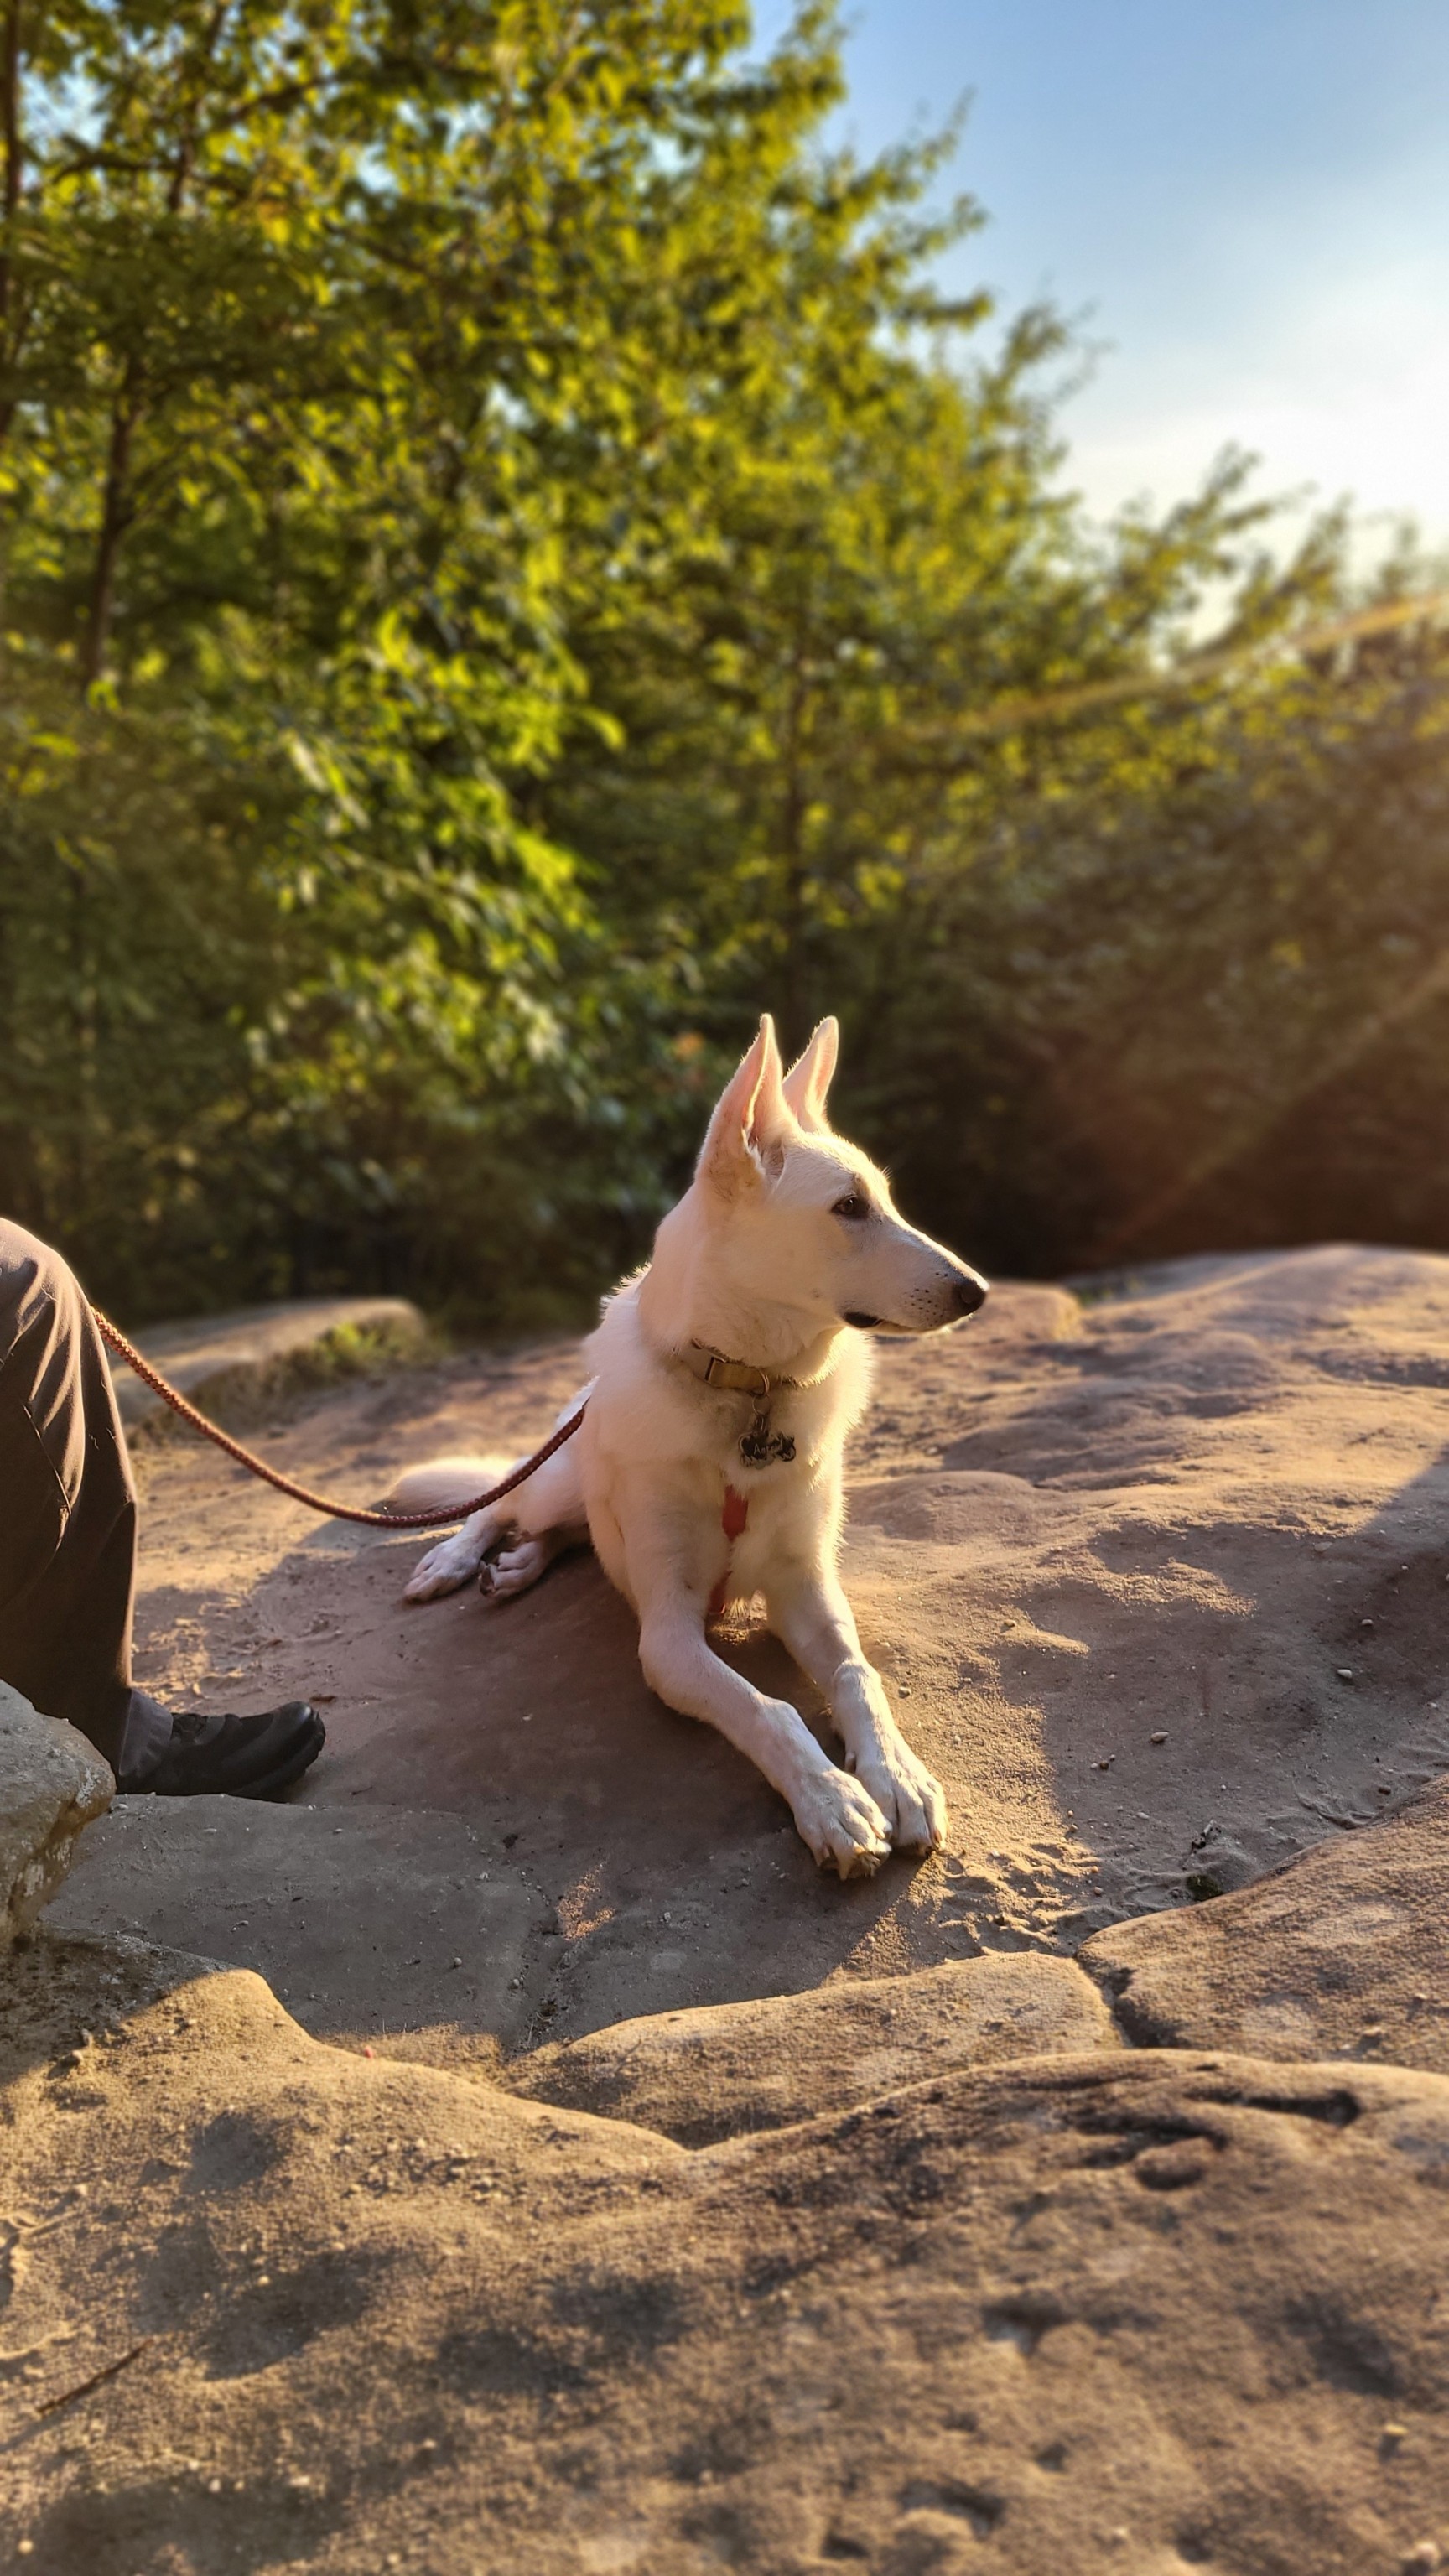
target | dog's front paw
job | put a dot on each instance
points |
(453, 1561)
(910, 1798)
(842, 1824)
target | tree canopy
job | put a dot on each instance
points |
(509, 566)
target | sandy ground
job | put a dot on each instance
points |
(1158, 1580)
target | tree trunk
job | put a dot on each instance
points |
(792, 839)
(116, 508)
(83, 1047)
(115, 519)
(19, 1183)
(12, 147)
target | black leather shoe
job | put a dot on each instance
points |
(234, 1757)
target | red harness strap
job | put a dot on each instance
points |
(732, 1521)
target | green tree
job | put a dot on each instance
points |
(509, 565)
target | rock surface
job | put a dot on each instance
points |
(52, 1782)
(268, 2306)
(1159, 1583)
(732, 2069)
(1076, 1529)
(1340, 1954)
(370, 1924)
(240, 1357)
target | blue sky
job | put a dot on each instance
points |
(1247, 205)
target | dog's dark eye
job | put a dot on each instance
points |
(852, 1208)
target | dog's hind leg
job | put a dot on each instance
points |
(519, 1566)
(458, 1558)
(547, 1514)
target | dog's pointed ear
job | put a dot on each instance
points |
(750, 1127)
(808, 1079)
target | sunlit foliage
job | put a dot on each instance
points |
(508, 566)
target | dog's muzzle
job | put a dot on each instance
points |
(964, 1295)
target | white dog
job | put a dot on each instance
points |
(709, 1465)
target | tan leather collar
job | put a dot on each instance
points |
(735, 1377)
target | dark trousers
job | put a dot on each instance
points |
(67, 1503)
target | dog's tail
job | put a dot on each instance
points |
(445, 1480)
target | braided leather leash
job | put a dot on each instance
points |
(247, 1458)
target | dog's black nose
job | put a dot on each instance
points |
(970, 1293)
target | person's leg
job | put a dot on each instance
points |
(67, 1503)
(68, 1556)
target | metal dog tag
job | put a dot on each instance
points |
(760, 1446)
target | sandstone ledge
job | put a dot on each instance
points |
(1132, 2310)
(237, 1361)
(732, 2069)
(1340, 1953)
(52, 1782)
